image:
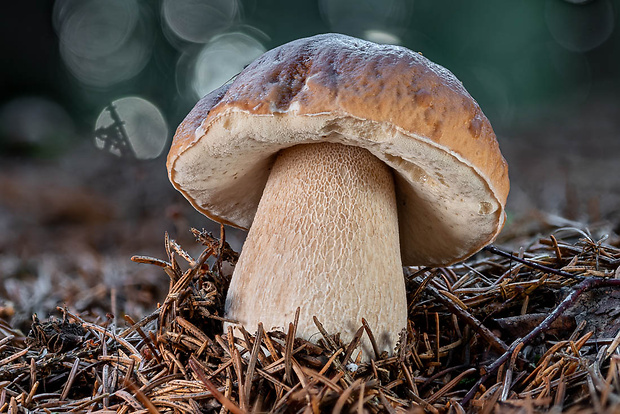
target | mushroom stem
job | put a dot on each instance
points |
(324, 239)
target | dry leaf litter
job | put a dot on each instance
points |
(480, 338)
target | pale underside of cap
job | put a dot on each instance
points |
(414, 115)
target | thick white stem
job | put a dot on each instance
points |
(324, 239)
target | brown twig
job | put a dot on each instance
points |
(584, 285)
(232, 407)
(528, 263)
(476, 325)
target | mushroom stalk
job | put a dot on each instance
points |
(324, 239)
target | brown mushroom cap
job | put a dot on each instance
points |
(451, 179)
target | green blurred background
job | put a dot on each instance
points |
(76, 200)
(518, 59)
(546, 73)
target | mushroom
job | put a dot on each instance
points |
(345, 159)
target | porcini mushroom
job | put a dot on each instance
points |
(345, 159)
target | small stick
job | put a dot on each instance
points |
(228, 387)
(69, 383)
(584, 285)
(354, 342)
(129, 371)
(420, 289)
(373, 342)
(188, 326)
(249, 373)
(482, 330)
(438, 394)
(386, 404)
(613, 346)
(150, 260)
(300, 374)
(558, 253)
(530, 264)
(288, 351)
(220, 250)
(328, 339)
(319, 377)
(13, 406)
(33, 372)
(283, 398)
(331, 344)
(273, 354)
(438, 334)
(173, 361)
(409, 378)
(33, 390)
(344, 396)
(509, 372)
(558, 401)
(130, 399)
(374, 369)
(15, 356)
(230, 406)
(146, 402)
(145, 338)
(330, 361)
(6, 340)
(360, 401)
(272, 379)
(104, 331)
(441, 373)
(239, 373)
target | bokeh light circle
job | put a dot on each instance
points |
(35, 121)
(380, 36)
(383, 18)
(198, 20)
(103, 42)
(580, 27)
(98, 28)
(222, 58)
(142, 126)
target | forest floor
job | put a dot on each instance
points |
(83, 328)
